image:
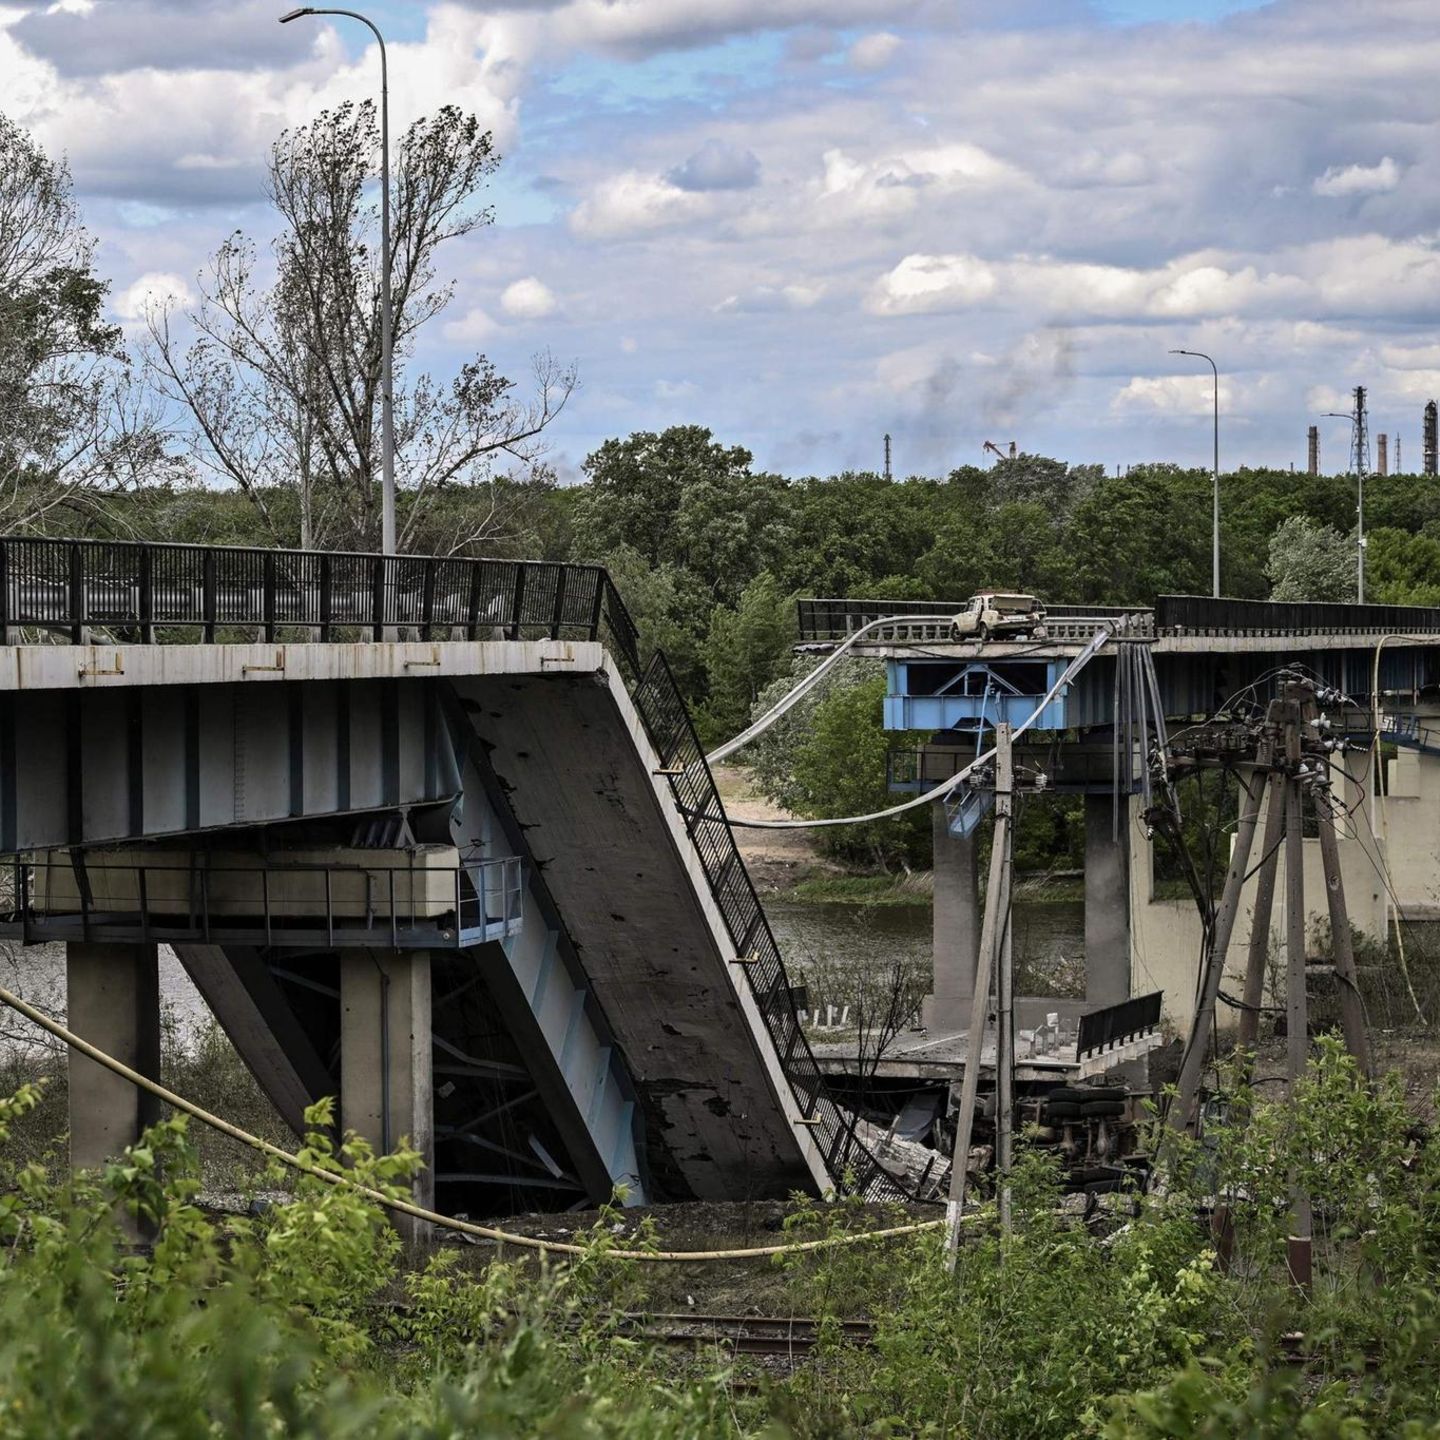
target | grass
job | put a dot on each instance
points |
(916, 888)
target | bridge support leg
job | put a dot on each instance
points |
(1107, 902)
(113, 1001)
(386, 1071)
(956, 934)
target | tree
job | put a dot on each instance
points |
(840, 769)
(1401, 568)
(680, 498)
(281, 385)
(72, 427)
(1310, 561)
(745, 648)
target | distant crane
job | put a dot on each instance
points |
(995, 450)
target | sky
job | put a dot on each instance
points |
(807, 223)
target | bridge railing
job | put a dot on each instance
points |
(826, 620)
(65, 588)
(757, 954)
(1205, 615)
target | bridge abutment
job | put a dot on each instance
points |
(386, 1065)
(1107, 901)
(113, 1001)
(956, 926)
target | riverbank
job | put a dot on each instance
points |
(787, 864)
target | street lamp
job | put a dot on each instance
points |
(1215, 556)
(387, 395)
(1359, 509)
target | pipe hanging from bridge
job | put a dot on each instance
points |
(946, 787)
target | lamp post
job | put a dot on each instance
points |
(387, 396)
(1215, 549)
(1359, 508)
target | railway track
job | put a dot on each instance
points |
(790, 1337)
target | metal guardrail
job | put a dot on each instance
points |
(152, 592)
(1116, 1024)
(821, 621)
(60, 896)
(1204, 615)
(667, 722)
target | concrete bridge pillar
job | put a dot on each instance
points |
(956, 932)
(113, 1001)
(1107, 902)
(386, 1075)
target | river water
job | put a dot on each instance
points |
(829, 940)
(1049, 940)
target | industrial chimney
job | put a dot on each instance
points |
(1312, 464)
(887, 457)
(1382, 454)
(1429, 447)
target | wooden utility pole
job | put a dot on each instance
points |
(994, 929)
(1192, 1064)
(1297, 1010)
(1342, 944)
(1253, 995)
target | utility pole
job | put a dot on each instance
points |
(1297, 1018)
(994, 933)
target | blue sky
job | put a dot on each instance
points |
(805, 223)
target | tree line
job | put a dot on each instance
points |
(250, 416)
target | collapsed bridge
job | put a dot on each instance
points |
(426, 835)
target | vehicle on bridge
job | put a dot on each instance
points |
(996, 612)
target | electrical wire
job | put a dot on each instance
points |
(791, 698)
(418, 1212)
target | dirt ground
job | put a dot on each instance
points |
(731, 1287)
(776, 859)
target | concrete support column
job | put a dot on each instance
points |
(956, 942)
(113, 1001)
(1107, 902)
(386, 1077)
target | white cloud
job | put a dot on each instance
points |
(1350, 180)
(1190, 395)
(528, 299)
(765, 299)
(471, 328)
(873, 52)
(634, 204)
(152, 291)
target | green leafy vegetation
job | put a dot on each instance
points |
(309, 1318)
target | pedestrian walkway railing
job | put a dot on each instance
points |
(174, 897)
(68, 589)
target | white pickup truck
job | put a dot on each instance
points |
(997, 612)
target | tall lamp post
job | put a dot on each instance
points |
(1359, 509)
(387, 394)
(1215, 548)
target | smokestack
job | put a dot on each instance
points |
(887, 457)
(1429, 445)
(1382, 453)
(1312, 465)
